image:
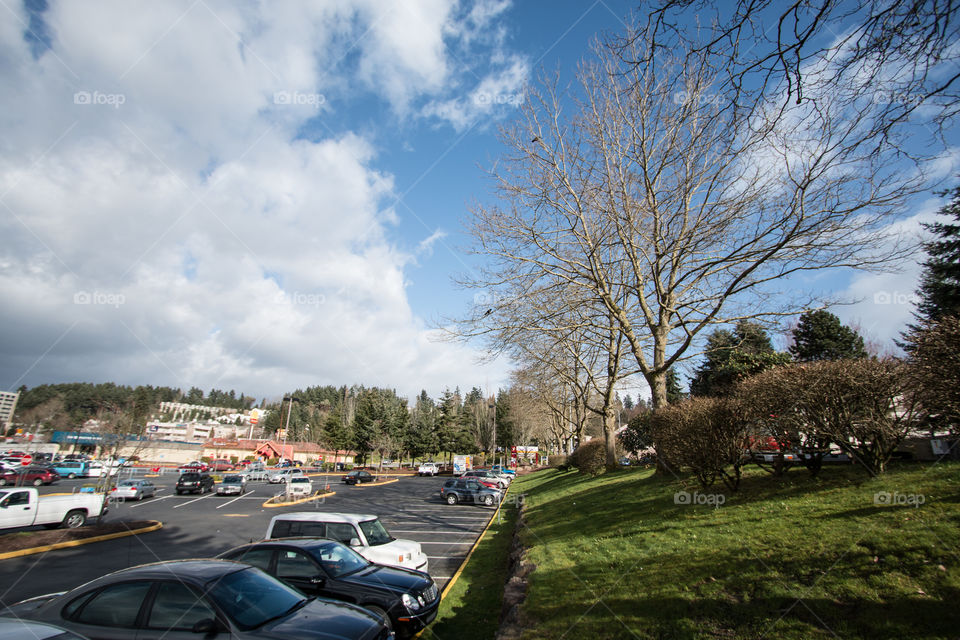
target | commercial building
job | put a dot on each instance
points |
(8, 404)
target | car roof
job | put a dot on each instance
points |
(321, 516)
(16, 629)
(301, 542)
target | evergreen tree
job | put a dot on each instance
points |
(821, 336)
(733, 355)
(940, 279)
(627, 402)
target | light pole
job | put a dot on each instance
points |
(283, 452)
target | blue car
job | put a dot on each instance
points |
(71, 468)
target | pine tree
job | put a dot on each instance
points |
(821, 336)
(732, 355)
(940, 279)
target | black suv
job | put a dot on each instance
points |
(406, 599)
(468, 490)
(194, 482)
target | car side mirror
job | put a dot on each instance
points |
(354, 542)
(207, 626)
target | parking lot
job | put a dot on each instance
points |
(196, 526)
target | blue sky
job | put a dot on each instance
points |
(265, 196)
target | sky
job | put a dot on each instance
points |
(269, 196)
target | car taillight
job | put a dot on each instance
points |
(400, 559)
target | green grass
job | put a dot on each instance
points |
(793, 557)
(471, 607)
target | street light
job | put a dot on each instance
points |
(283, 452)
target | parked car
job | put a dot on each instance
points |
(428, 469)
(299, 486)
(357, 476)
(194, 482)
(198, 599)
(35, 475)
(468, 490)
(502, 469)
(364, 533)
(220, 465)
(231, 485)
(282, 475)
(134, 490)
(193, 466)
(25, 507)
(256, 473)
(71, 468)
(502, 482)
(97, 469)
(407, 599)
(14, 629)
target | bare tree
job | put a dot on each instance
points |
(655, 199)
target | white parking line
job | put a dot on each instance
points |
(183, 504)
(143, 504)
(234, 500)
(447, 543)
(458, 532)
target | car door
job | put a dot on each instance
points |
(173, 611)
(473, 490)
(110, 614)
(17, 510)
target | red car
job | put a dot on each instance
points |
(221, 465)
(29, 475)
(193, 466)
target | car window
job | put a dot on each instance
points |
(115, 606)
(176, 606)
(294, 564)
(250, 597)
(375, 533)
(341, 532)
(259, 558)
(473, 486)
(17, 498)
(338, 560)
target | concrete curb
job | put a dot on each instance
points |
(77, 543)
(269, 504)
(376, 484)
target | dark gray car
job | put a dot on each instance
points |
(193, 599)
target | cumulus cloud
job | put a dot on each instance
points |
(165, 220)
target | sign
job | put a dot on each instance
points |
(27, 459)
(282, 433)
(255, 416)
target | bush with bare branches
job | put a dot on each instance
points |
(935, 372)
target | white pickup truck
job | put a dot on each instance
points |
(428, 469)
(24, 507)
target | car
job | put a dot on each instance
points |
(134, 490)
(71, 468)
(357, 476)
(502, 469)
(483, 474)
(193, 466)
(193, 482)
(198, 599)
(299, 486)
(220, 465)
(276, 476)
(428, 469)
(233, 484)
(35, 475)
(14, 629)
(364, 533)
(467, 489)
(407, 599)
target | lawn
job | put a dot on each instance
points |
(625, 556)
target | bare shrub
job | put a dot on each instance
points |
(590, 457)
(934, 372)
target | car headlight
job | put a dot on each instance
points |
(410, 602)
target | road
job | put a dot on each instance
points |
(202, 526)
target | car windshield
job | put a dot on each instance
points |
(190, 477)
(339, 560)
(129, 483)
(303, 480)
(252, 598)
(233, 479)
(375, 533)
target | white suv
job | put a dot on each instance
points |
(364, 533)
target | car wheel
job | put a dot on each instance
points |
(3, 482)
(139, 497)
(451, 498)
(38, 482)
(488, 500)
(380, 612)
(179, 492)
(74, 519)
(71, 475)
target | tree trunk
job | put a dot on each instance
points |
(610, 436)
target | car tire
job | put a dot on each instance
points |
(488, 500)
(74, 519)
(71, 476)
(179, 492)
(3, 482)
(38, 482)
(139, 497)
(380, 612)
(452, 498)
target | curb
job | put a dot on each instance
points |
(273, 505)
(77, 543)
(376, 484)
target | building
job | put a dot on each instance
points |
(8, 404)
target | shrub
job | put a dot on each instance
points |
(590, 457)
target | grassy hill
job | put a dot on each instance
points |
(624, 556)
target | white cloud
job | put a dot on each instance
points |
(171, 226)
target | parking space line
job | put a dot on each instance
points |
(143, 504)
(447, 543)
(234, 500)
(183, 504)
(457, 532)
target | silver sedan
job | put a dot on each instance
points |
(134, 490)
